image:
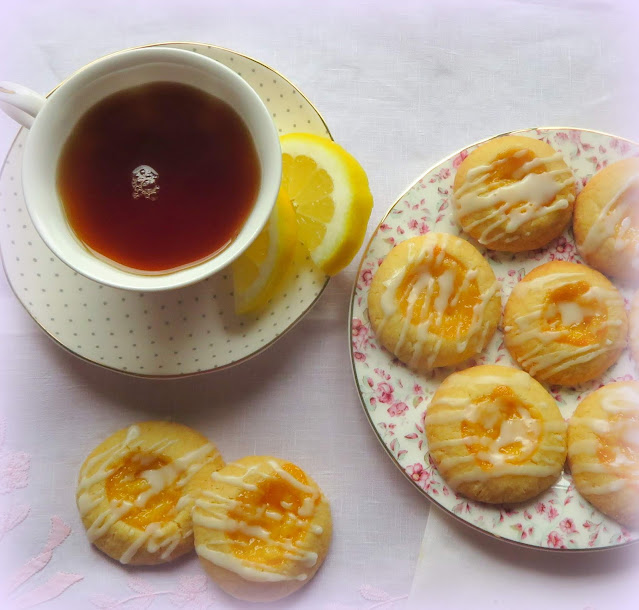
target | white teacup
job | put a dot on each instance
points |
(51, 120)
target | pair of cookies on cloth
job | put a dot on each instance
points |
(155, 490)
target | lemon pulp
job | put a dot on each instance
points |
(260, 270)
(332, 200)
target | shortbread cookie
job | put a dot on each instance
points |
(131, 491)
(495, 434)
(514, 193)
(603, 450)
(434, 301)
(262, 527)
(606, 221)
(565, 323)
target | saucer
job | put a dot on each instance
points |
(395, 398)
(173, 333)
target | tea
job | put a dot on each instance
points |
(158, 177)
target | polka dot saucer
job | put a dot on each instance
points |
(179, 332)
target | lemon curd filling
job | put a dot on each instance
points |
(578, 318)
(499, 428)
(508, 168)
(504, 168)
(277, 507)
(126, 483)
(628, 227)
(515, 188)
(448, 302)
(619, 445)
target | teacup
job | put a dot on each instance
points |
(51, 120)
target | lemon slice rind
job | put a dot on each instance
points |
(352, 199)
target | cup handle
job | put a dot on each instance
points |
(20, 103)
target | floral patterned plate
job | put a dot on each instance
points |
(172, 333)
(395, 398)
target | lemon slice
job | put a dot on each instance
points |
(258, 272)
(332, 200)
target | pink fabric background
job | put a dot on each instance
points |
(400, 84)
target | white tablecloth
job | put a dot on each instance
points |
(461, 568)
(400, 85)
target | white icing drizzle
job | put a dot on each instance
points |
(531, 470)
(544, 362)
(620, 399)
(615, 400)
(92, 492)
(523, 429)
(584, 446)
(141, 540)
(611, 487)
(248, 570)
(510, 206)
(165, 476)
(611, 222)
(237, 481)
(434, 308)
(572, 313)
(212, 511)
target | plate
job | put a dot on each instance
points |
(173, 333)
(395, 398)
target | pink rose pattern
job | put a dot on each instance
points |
(14, 466)
(395, 398)
(18, 591)
(193, 592)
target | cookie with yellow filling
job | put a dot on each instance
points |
(606, 220)
(565, 323)
(262, 527)
(603, 450)
(132, 491)
(495, 434)
(434, 301)
(514, 193)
